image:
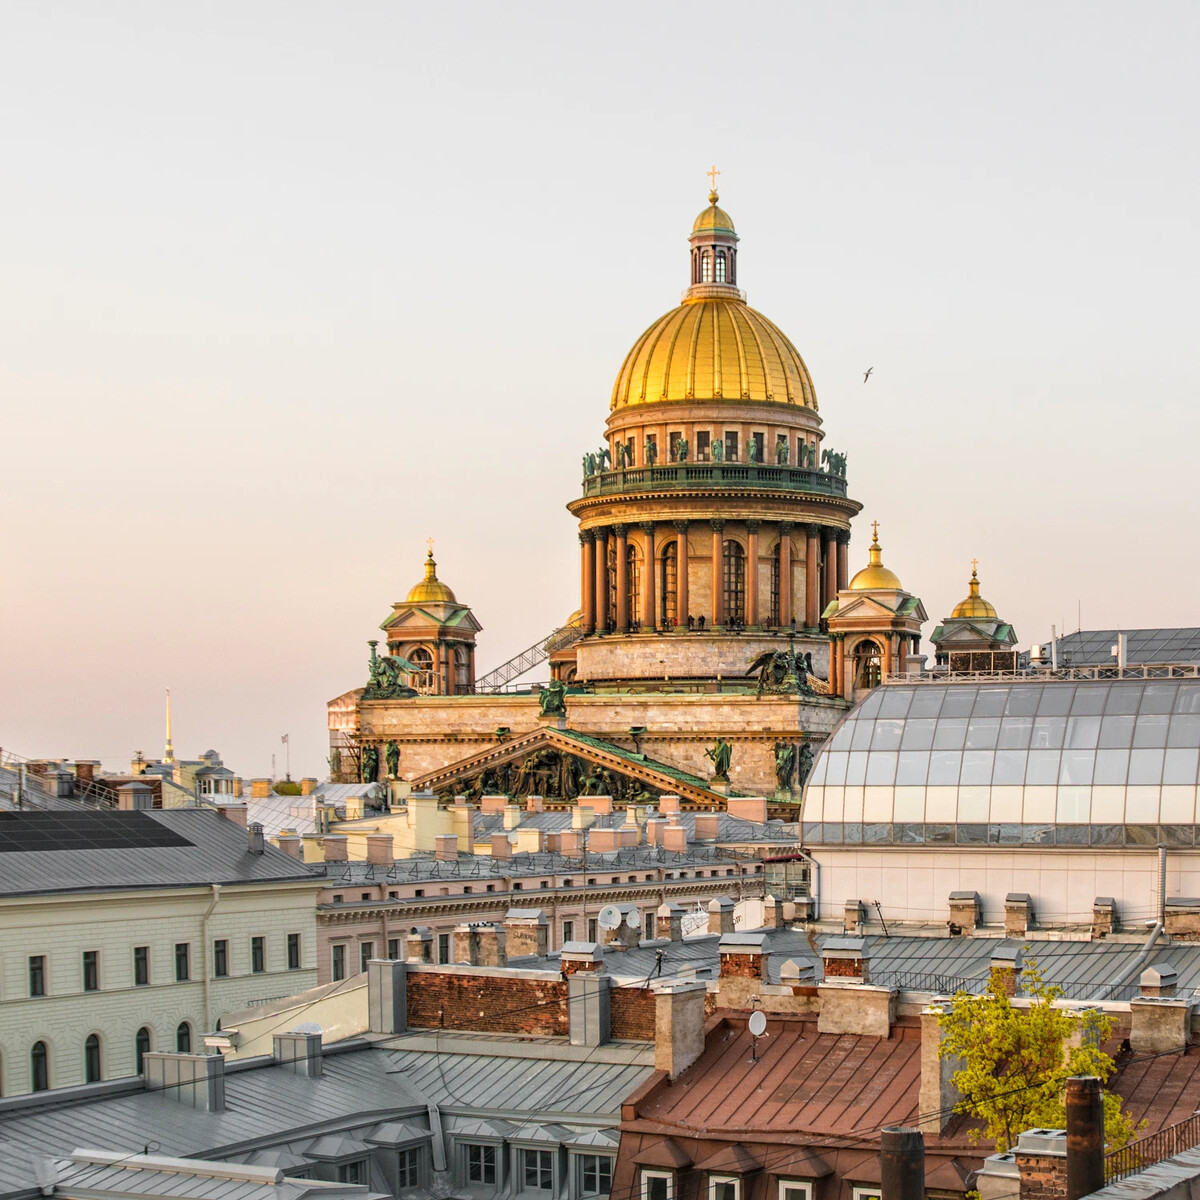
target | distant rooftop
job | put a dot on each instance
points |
(1092, 647)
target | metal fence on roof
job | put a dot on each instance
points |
(1145, 1152)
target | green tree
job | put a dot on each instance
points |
(1014, 1061)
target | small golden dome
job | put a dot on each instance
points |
(713, 218)
(431, 590)
(713, 348)
(974, 605)
(875, 576)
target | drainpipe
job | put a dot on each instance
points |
(204, 950)
(1134, 967)
(1162, 885)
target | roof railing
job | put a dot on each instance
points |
(1028, 674)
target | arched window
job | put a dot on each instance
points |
(735, 583)
(91, 1059)
(39, 1067)
(668, 591)
(423, 661)
(706, 267)
(462, 669)
(774, 620)
(141, 1047)
(868, 665)
(183, 1038)
(633, 582)
(720, 266)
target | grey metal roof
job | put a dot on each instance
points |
(1091, 647)
(729, 829)
(216, 850)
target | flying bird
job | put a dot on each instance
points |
(868, 374)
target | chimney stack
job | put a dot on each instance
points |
(901, 1164)
(291, 844)
(1018, 914)
(379, 849)
(255, 838)
(1085, 1136)
(334, 845)
(720, 915)
(670, 920)
(445, 847)
(300, 1051)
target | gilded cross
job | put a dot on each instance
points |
(875, 529)
(712, 174)
(429, 543)
(974, 566)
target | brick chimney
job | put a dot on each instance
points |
(749, 808)
(772, 912)
(570, 843)
(501, 846)
(418, 945)
(445, 847)
(581, 956)
(493, 804)
(527, 931)
(964, 913)
(846, 958)
(707, 826)
(583, 815)
(535, 804)
(134, 796)
(379, 849)
(1159, 981)
(938, 1095)
(291, 844)
(1104, 917)
(668, 804)
(853, 916)
(481, 945)
(601, 805)
(512, 816)
(1006, 968)
(674, 838)
(602, 841)
(720, 915)
(1018, 914)
(335, 847)
(654, 830)
(670, 921)
(1159, 1025)
(308, 785)
(1041, 1156)
(743, 955)
(260, 789)
(626, 935)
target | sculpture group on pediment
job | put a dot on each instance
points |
(553, 774)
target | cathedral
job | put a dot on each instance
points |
(719, 636)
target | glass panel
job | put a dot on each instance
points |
(1177, 805)
(1073, 807)
(870, 706)
(1145, 766)
(1076, 766)
(1108, 835)
(831, 832)
(1112, 766)
(881, 768)
(861, 738)
(908, 805)
(836, 776)
(977, 767)
(918, 735)
(1188, 698)
(1141, 835)
(958, 702)
(1048, 732)
(878, 834)
(856, 769)
(852, 831)
(842, 736)
(1185, 730)
(1177, 835)
(973, 803)
(950, 734)
(990, 702)
(1056, 699)
(817, 778)
(914, 767)
(1116, 730)
(944, 766)
(887, 735)
(1089, 698)
(1010, 766)
(1158, 698)
(1043, 767)
(810, 832)
(1022, 701)
(926, 702)
(972, 835)
(1123, 698)
(1082, 732)
(910, 834)
(1151, 730)
(982, 732)
(1004, 835)
(1037, 835)
(895, 702)
(1014, 733)
(1180, 766)
(1071, 835)
(939, 833)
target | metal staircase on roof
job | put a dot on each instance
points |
(505, 673)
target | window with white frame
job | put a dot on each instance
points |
(481, 1164)
(724, 1187)
(537, 1170)
(658, 1185)
(595, 1174)
(408, 1168)
(867, 1193)
(795, 1189)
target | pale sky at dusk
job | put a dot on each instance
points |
(287, 288)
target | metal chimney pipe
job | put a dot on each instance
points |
(902, 1164)
(1085, 1136)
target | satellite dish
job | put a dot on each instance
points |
(634, 917)
(757, 1024)
(610, 917)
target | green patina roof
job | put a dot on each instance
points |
(833, 607)
(908, 606)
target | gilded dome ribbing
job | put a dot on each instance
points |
(875, 576)
(713, 218)
(974, 605)
(431, 590)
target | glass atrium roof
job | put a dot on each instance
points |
(1041, 762)
(1089, 647)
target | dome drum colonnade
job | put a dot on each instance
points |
(712, 537)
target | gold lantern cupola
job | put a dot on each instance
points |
(974, 606)
(875, 576)
(714, 251)
(431, 590)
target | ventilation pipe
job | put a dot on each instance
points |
(1134, 967)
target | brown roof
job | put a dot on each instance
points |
(1161, 1089)
(803, 1081)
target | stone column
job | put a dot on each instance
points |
(785, 573)
(622, 580)
(812, 577)
(841, 666)
(752, 574)
(843, 559)
(681, 582)
(587, 550)
(718, 590)
(602, 579)
(649, 614)
(829, 591)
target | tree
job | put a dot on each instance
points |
(1015, 1061)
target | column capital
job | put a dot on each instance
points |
(647, 527)
(752, 526)
(586, 535)
(620, 530)
(785, 528)
(601, 533)
(812, 531)
(843, 537)
(717, 524)
(680, 526)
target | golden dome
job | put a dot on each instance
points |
(713, 348)
(713, 218)
(974, 605)
(875, 576)
(431, 590)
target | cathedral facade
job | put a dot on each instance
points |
(714, 532)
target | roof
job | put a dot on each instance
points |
(109, 850)
(1085, 647)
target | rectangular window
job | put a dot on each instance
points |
(731, 445)
(538, 1170)
(407, 1173)
(258, 955)
(658, 1185)
(183, 954)
(418, 893)
(591, 929)
(795, 1189)
(141, 966)
(702, 440)
(651, 449)
(629, 444)
(595, 1174)
(867, 1193)
(337, 962)
(443, 948)
(37, 975)
(724, 1187)
(91, 970)
(651, 926)
(352, 1172)
(481, 1164)
(220, 958)
(366, 952)
(568, 931)
(293, 945)
(758, 447)
(393, 948)
(673, 440)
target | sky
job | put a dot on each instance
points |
(286, 289)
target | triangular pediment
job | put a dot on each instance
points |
(455, 617)
(863, 605)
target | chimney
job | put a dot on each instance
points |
(1041, 1156)
(570, 843)
(582, 815)
(379, 849)
(387, 996)
(707, 826)
(300, 1051)
(445, 847)
(938, 1095)
(260, 789)
(1085, 1136)
(601, 805)
(1159, 1025)
(527, 932)
(134, 796)
(1018, 914)
(654, 830)
(291, 844)
(668, 804)
(314, 848)
(308, 785)
(493, 804)
(481, 945)
(846, 959)
(255, 838)
(678, 1026)
(512, 816)
(1006, 968)
(674, 838)
(964, 913)
(1159, 981)
(588, 1015)
(581, 956)
(901, 1164)
(852, 919)
(601, 841)
(418, 945)
(743, 955)
(773, 912)
(335, 847)
(670, 920)
(1104, 917)
(193, 1080)
(501, 846)
(234, 811)
(720, 915)
(535, 804)
(795, 975)
(748, 808)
